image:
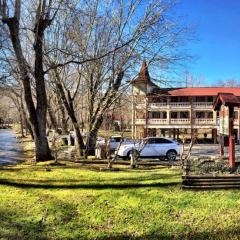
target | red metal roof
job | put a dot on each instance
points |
(204, 91)
(227, 99)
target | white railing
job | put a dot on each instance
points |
(202, 104)
(157, 121)
(180, 105)
(180, 121)
(157, 105)
(204, 121)
(140, 121)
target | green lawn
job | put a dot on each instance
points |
(76, 202)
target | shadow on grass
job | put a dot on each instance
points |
(115, 181)
(86, 186)
(231, 233)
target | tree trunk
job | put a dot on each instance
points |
(64, 120)
(52, 118)
(92, 137)
(78, 138)
(42, 150)
(67, 102)
(37, 116)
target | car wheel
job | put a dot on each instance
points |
(171, 155)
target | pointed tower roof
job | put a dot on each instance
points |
(144, 74)
(144, 77)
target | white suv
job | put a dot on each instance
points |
(152, 147)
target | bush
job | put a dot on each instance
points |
(209, 166)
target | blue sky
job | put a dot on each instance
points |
(217, 26)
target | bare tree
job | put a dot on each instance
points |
(107, 40)
(12, 16)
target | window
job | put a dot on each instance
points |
(158, 141)
(157, 99)
(115, 139)
(200, 99)
(209, 115)
(161, 115)
(162, 140)
(151, 141)
(174, 99)
(156, 114)
(174, 115)
(184, 114)
(210, 99)
(235, 115)
(183, 99)
(200, 114)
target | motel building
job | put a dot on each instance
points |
(177, 112)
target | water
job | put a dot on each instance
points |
(11, 151)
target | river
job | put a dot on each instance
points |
(11, 150)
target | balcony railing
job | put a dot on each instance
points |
(204, 121)
(180, 121)
(157, 121)
(157, 105)
(179, 105)
(202, 105)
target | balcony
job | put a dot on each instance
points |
(202, 105)
(204, 121)
(235, 121)
(157, 105)
(179, 105)
(180, 121)
(157, 121)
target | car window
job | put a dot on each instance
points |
(117, 139)
(162, 140)
(151, 141)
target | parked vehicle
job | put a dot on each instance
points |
(152, 147)
(114, 141)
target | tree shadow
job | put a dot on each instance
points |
(95, 186)
(230, 233)
(136, 179)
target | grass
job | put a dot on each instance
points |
(76, 201)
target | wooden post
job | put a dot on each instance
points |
(231, 138)
(221, 145)
(238, 126)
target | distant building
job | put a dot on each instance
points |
(171, 111)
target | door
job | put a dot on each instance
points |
(162, 145)
(149, 149)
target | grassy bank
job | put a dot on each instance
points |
(79, 202)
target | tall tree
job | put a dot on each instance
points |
(108, 39)
(12, 16)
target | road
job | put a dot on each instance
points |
(212, 150)
(11, 151)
